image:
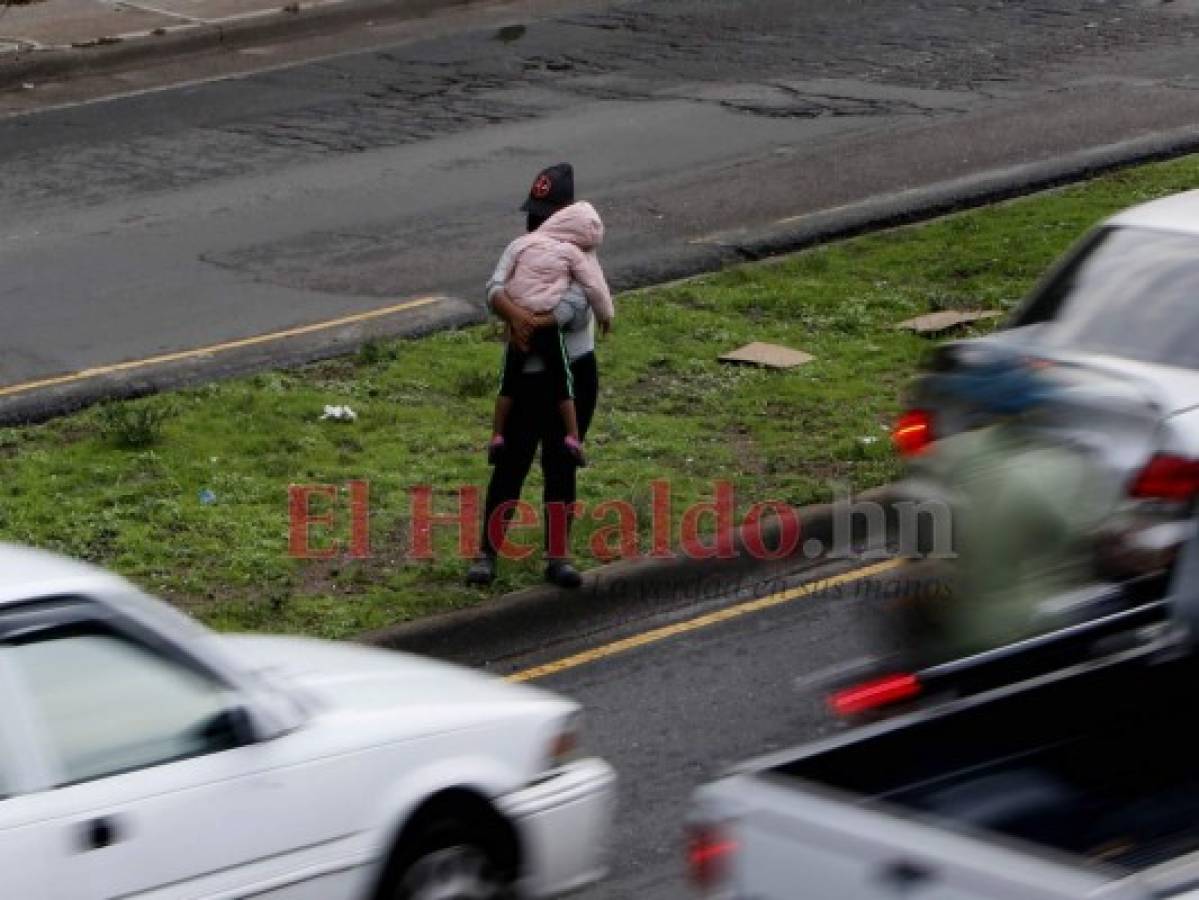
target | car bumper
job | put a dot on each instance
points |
(563, 823)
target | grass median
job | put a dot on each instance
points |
(187, 493)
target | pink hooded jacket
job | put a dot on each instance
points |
(545, 261)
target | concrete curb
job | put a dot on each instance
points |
(40, 404)
(288, 20)
(624, 593)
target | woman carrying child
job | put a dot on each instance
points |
(534, 408)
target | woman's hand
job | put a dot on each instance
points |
(520, 321)
(605, 326)
(520, 328)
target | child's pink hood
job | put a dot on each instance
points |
(577, 224)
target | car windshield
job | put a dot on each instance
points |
(1133, 293)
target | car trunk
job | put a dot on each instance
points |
(1101, 421)
(1112, 407)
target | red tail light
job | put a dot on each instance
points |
(913, 432)
(873, 694)
(1167, 478)
(710, 853)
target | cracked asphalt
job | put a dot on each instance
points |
(184, 217)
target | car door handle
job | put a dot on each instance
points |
(903, 876)
(100, 832)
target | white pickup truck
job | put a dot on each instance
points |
(142, 756)
(1080, 780)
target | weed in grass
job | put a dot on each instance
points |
(374, 352)
(135, 425)
(475, 383)
(10, 441)
(271, 382)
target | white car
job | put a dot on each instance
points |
(142, 756)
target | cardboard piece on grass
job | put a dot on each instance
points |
(935, 323)
(769, 356)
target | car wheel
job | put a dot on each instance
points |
(451, 864)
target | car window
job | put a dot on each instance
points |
(108, 705)
(1132, 293)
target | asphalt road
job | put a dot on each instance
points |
(187, 217)
(675, 713)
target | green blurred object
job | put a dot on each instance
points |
(1026, 511)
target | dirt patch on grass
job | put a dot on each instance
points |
(745, 450)
(348, 575)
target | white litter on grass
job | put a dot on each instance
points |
(869, 439)
(339, 414)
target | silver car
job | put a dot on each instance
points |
(1114, 328)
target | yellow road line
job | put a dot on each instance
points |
(704, 621)
(85, 374)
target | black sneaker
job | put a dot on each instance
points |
(563, 574)
(481, 572)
